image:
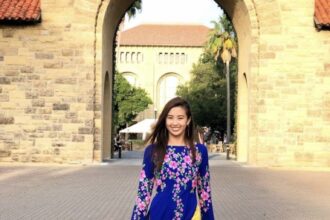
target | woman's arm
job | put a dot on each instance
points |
(203, 186)
(146, 182)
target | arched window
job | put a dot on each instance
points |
(160, 58)
(122, 54)
(139, 57)
(177, 58)
(166, 58)
(183, 58)
(133, 57)
(127, 57)
(131, 78)
(167, 86)
(171, 58)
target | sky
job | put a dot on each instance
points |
(176, 11)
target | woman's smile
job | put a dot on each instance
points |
(176, 122)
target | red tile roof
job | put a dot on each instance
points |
(322, 13)
(165, 35)
(20, 10)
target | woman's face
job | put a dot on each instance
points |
(177, 121)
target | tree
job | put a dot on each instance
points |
(128, 101)
(206, 91)
(206, 95)
(223, 46)
(131, 12)
(136, 6)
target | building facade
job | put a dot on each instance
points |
(159, 64)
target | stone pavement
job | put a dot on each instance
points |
(107, 191)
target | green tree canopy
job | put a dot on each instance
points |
(129, 101)
(206, 91)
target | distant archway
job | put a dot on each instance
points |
(166, 88)
(132, 78)
(107, 99)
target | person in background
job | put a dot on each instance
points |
(199, 135)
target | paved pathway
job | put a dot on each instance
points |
(107, 191)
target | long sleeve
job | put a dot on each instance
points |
(203, 186)
(146, 182)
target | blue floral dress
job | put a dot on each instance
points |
(176, 185)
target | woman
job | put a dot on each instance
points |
(177, 167)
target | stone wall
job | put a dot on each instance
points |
(293, 86)
(47, 86)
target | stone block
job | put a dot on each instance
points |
(4, 97)
(78, 138)
(85, 130)
(16, 60)
(89, 123)
(44, 111)
(30, 110)
(67, 52)
(57, 127)
(46, 92)
(31, 95)
(33, 77)
(58, 144)
(27, 69)
(41, 158)
(53, 65)
(6, 120)
(38, 103)
(57, 151)
(10, 51)
(8, 32)
(20, 79)
(97, 130)
(70, 81)
(44, 128)
(4, 80)
(47, 56)
(52, 135)
(4, 153)
(24, 158)
(61, 107)
(35, 151)
(71, 115)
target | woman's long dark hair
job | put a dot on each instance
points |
(159, 136)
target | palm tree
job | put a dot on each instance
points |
(222, 45)
(136, 7)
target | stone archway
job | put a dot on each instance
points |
(244, 18)
(106, 123)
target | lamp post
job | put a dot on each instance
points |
(155, 113)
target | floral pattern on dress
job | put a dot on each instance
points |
(179, 167)
(179, 174)
(144, 195)
(204, 191)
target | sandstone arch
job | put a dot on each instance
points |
(244, 18)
